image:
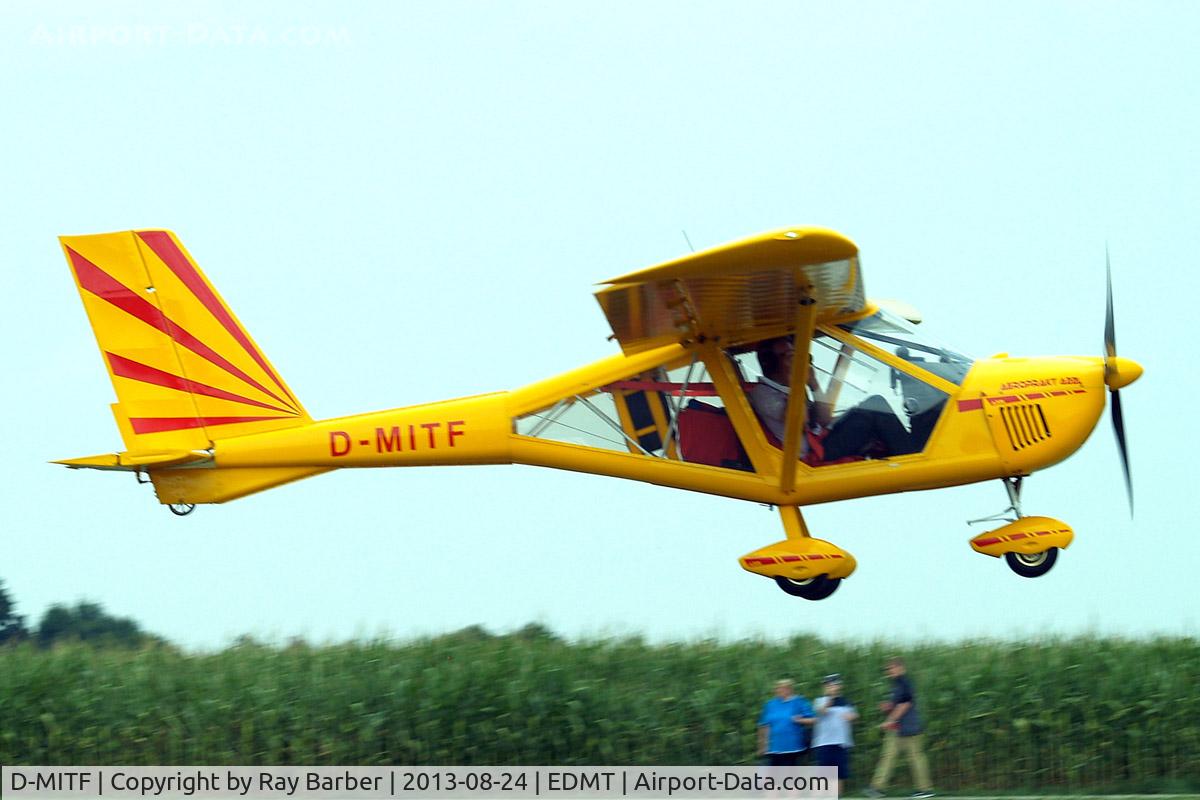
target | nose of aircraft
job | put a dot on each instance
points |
(1120, 372)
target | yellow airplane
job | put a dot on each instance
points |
(699, 397)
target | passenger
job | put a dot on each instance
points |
(870, 428)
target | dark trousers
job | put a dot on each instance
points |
(783, 759)
(872, 422)
(834, 755)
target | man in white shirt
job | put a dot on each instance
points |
(769, 397)
(832, 733)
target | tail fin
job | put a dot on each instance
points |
(184, 369)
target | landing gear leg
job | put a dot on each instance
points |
(1013, 487)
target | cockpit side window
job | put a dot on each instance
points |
(858, 405)
(873, 410)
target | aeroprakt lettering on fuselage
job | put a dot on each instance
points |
(400, 438)
(1070, 380)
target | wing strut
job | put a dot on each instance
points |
(749, 430)
(793, 432)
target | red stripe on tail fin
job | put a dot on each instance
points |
(165, 248)
(108, 288)
(128, 368)
(161, 424)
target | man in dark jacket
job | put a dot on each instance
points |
(902, 731)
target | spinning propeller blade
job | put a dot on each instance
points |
(1110, 335)
(1119, 429)
(1111, 364)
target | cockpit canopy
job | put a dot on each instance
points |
(900, 337)
(875, 389)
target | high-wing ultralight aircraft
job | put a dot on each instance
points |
(699, 397)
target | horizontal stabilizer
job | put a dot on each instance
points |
(106, 461)
(135, 461)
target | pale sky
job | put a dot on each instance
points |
(409, 202)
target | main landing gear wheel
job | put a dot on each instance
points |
(182, 509)
(817, 588)
(1032, 565)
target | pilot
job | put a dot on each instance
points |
(869, 428)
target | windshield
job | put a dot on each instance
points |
(898, 336)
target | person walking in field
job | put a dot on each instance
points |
(832, 732)
(781, 726)
(902, 731)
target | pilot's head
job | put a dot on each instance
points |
(775, 358)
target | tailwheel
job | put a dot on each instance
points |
(1032, 565)
(182, 509)
(817, 588)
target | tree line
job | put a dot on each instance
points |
(84, 621)
(89, 623)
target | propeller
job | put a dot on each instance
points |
(1118, 372)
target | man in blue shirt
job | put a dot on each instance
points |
(782, 734)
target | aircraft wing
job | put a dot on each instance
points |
(739, 292)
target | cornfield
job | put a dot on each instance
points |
(1085, 714)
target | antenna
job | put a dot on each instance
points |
(688, 240)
